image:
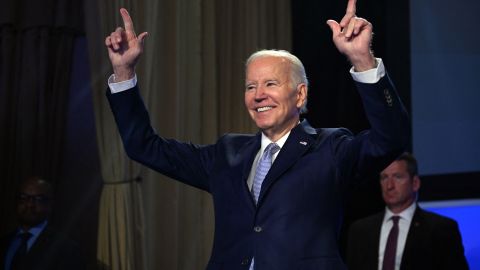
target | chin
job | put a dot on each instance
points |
(263, 126)
(262, 122)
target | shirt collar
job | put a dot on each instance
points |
(36, 230)
(406, 214)
(266, 141)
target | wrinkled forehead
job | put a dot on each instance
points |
(266, 66)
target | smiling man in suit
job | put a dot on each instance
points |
(417, 239)
(277, 194)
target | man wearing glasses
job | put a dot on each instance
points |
(35, 244)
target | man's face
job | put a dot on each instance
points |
(270, 99)
(33, 203)
(398, 187)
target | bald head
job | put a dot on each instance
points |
(34, 202)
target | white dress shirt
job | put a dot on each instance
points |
(403, 227)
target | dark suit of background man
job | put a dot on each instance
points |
(44, 248)
(425, 240)
(294, 223)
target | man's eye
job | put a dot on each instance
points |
(270, 84)
(34, 198)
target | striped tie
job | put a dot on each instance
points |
(263, 166)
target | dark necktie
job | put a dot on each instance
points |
(19, 257)
(391, 247)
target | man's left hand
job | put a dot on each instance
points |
(353, 37)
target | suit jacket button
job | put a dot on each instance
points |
(257, 229)
(245, 261)
(388, 97)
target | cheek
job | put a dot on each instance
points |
(295, 100)
(383, 186)
(403, 193)
(247, 99)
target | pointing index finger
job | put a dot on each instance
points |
(351, 7)
(127, 21)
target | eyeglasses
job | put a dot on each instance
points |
(38, 199)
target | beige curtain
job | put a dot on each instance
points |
(192, 79)
(121, 243)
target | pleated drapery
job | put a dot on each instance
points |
(36, 46)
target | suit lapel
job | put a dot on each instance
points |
(42, 241)
(246, 156)
(375, 237)
(412, 237)
(298, 142)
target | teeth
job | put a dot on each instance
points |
(262, 109)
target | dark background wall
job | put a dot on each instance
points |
(431, 55)
(333, 100)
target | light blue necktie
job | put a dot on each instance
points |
(263, 166)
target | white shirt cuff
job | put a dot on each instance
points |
(116, 87)
(370, 76)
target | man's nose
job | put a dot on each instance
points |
(260, 93)
(30, 202)
(390, 183)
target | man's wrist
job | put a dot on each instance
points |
(116, 87)
(364, 63)
(369, 76)
(123, 74)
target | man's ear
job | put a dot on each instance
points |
(301, 94)
(416, 183)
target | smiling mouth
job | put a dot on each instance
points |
(263, 109)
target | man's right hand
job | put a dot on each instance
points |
(124, 48)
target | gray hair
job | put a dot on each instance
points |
(297, 73)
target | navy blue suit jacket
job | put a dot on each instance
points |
(296, 222)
